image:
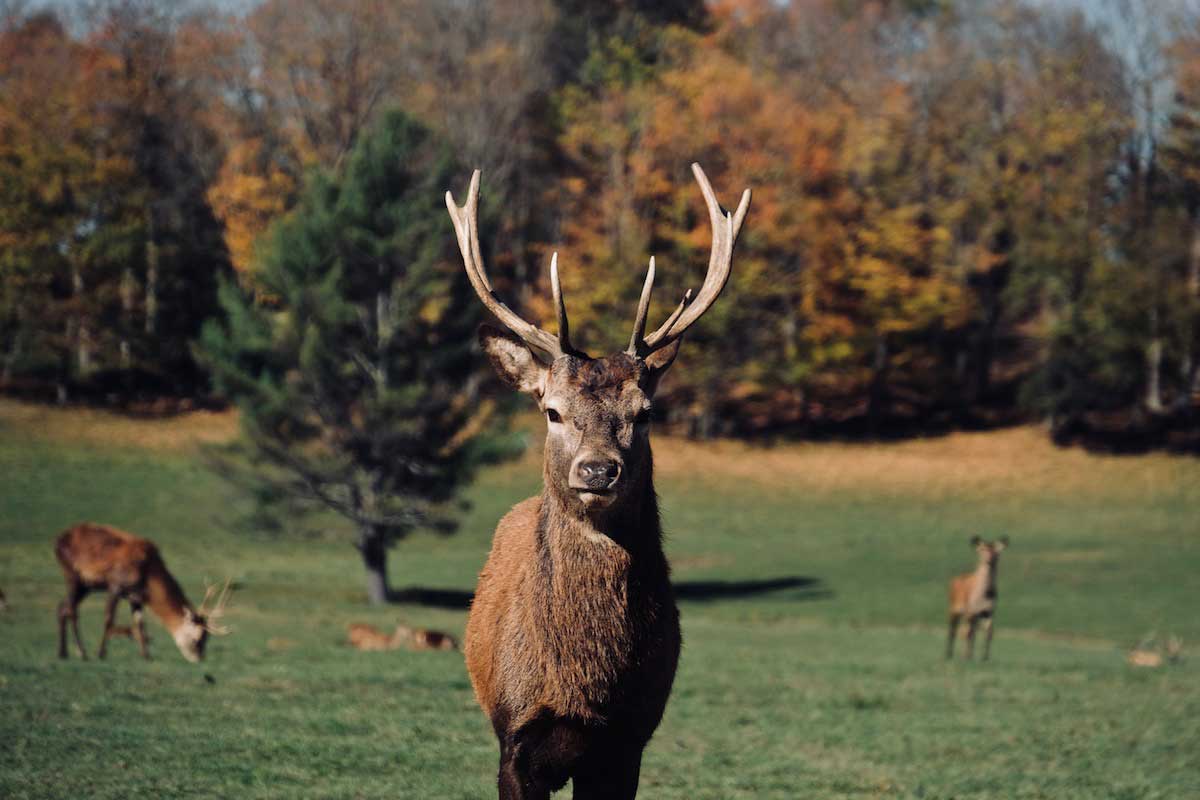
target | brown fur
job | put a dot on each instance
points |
(100, 557)
(973, 595)
(369, 638)
(1144, 658)
(573, 636)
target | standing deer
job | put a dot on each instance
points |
(573, 636)
(973, 596)
(127, 567)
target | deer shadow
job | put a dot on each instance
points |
(797, 587)
(453, 599)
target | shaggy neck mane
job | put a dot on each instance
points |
(633, 524)
(163, 595)
(600, 581)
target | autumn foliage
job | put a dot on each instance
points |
(964, 213)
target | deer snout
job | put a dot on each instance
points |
(595, 474)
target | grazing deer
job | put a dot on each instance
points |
(573, 636)
(973, 597)
(127, 567)
(369, 638)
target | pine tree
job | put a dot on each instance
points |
(353, 371)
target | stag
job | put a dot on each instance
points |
(573, 637)
(973, 597)
(99, 557)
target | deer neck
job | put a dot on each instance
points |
(165, 598)
(590, 575)
(985, 576)
(632, 526)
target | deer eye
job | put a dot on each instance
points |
(553, 415)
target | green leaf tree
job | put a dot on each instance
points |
(353, 370)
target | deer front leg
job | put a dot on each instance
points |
(110, 613)
(538, 759)
(62, 628)
(971, 624)
(68, 611)
(954, 619)
(612, 774)
(78, 638)
(139, 628)
(987, 639)
(515, 780)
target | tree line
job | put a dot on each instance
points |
(965, 212)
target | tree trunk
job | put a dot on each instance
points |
(985, 353)
(127, 287)
(1154, 356)
(373, 546)
(877, 392)
(14, 349)
(1191, 358)
(151, 273)
(83, 349)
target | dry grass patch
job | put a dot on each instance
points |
(1013, 462)
(101, 428)
(995, 463)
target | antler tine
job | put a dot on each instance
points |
(725, 229)
(687, 298)
(209, 588)
(466, 228)
(560, 308)
(639, 322)
(218, 610)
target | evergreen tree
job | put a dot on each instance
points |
(354, 373)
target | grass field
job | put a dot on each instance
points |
(812, 587)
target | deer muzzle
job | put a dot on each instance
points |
(595, 478)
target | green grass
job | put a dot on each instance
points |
(814, 588)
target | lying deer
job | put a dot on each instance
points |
(573, 637)
(369, 638)
(99, 557)
(1153, 652)
(973, 597)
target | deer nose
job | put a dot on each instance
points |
(598, 473)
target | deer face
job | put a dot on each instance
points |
(597, 410)
(191, 636)
(597, 417)
(989, 552)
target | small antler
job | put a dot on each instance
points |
(725, 229)
(218, 610)
(466, 226)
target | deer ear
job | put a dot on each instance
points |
(975, 540)
(1001, 543)
(657, 364)
(513, 361)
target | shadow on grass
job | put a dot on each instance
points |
(798, 587)
(433, 598)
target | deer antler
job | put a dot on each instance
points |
(725, 229)
(466, 226)
(218, 610)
